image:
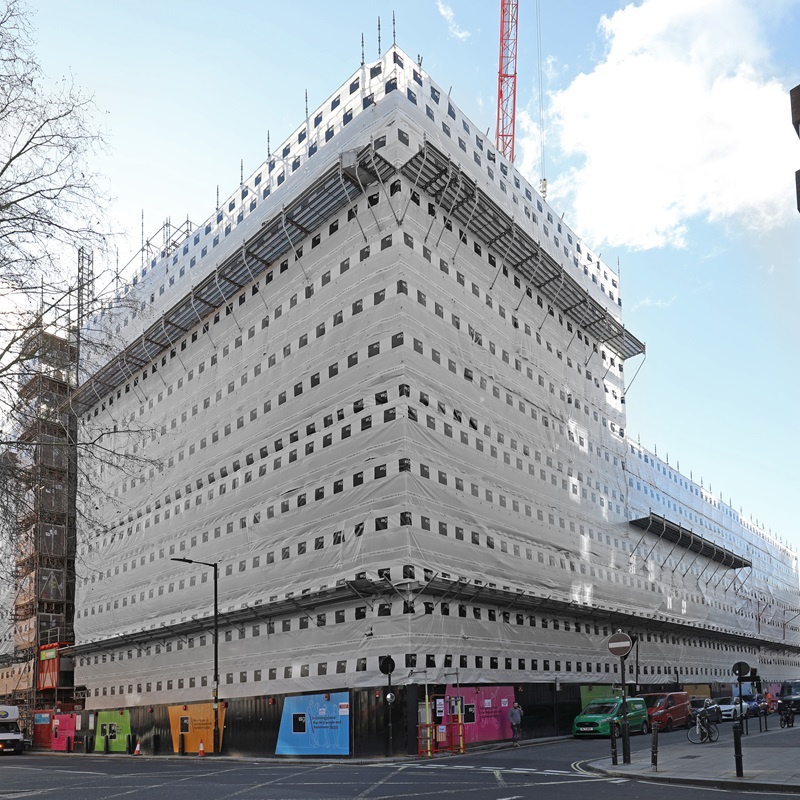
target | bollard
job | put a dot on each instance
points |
(87, 744)
(766, 714)
(106, 744)
(626, 742)
(737, 749)
(614, 760)
(181, 745)
(156, 743)
(760, 729)
(654, 749)
(69, 744)
(128, 744)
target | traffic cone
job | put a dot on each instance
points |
(137, 751)
(202, 750)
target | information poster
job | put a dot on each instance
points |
(315, 725)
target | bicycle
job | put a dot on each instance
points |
(702, 731)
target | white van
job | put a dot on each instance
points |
(11, 739)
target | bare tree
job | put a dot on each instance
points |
(49, 196)
(51, 206)
(50, 201)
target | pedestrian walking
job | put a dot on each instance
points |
(515, 718)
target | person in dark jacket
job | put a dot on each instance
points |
(515, 718)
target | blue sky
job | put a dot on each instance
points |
(668, 145)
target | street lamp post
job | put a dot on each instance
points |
(215, 567)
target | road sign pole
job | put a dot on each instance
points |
(626, 736)
(386, 666)
(740, 670)
(620, 644)
(390, 700)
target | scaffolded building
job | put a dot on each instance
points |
(381, 392)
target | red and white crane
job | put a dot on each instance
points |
(507, 78)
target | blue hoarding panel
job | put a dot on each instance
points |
(314, 726)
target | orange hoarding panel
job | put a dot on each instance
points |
(196, 723)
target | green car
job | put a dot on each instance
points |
(598, 717)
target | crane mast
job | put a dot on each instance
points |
(507, 78)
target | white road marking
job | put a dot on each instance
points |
(394, 773)
(60, 771)
(496, 771)
(23, 793)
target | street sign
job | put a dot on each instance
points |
(386, 665)
(741, 669)
(620, 644)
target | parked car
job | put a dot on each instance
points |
(668, 710)
(731, 709)
(756, 704)
(712, 709)
(604, 714)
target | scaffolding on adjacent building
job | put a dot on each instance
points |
(41, 475)
(45, 538)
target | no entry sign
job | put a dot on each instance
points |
(620, 644)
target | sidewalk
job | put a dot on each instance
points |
(769, 759)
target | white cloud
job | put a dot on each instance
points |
(450, 18)
(679, 122)
(653, 302)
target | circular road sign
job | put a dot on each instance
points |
(620, 644)
(741, 668)
(386, 665)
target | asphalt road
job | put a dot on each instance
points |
(534, 771)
